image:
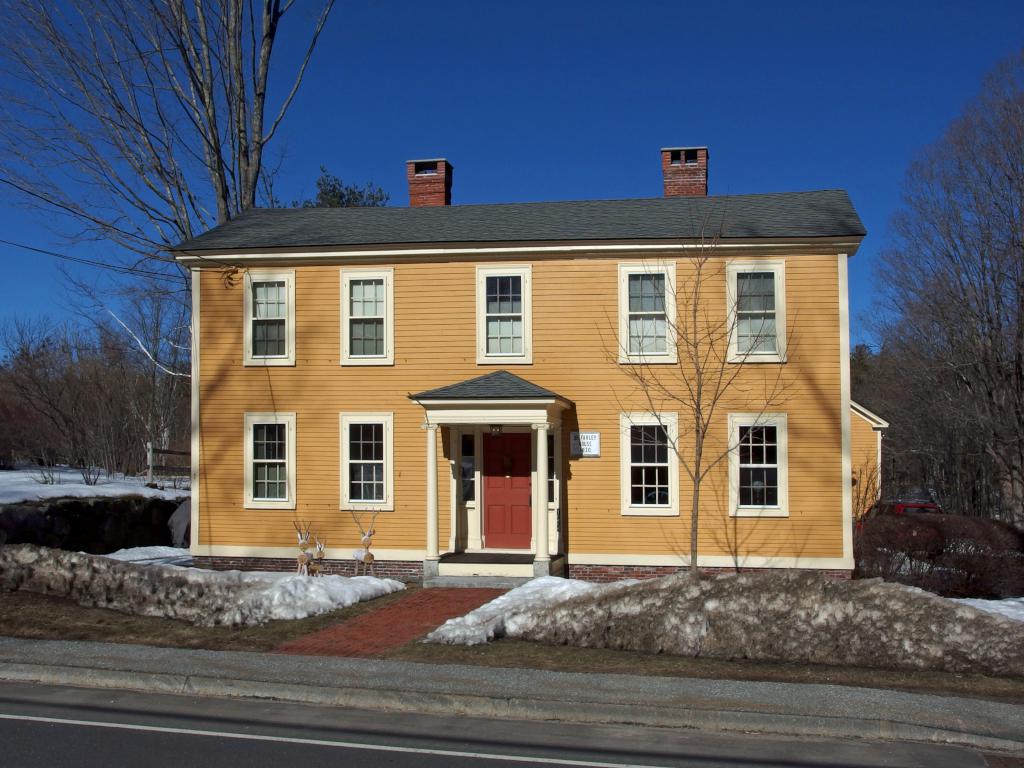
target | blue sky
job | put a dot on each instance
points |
(572, 100)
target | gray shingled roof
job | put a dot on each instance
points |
(500, 385)
(825, 213)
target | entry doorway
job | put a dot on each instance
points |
(507, 491)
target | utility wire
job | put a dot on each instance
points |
(90, 262)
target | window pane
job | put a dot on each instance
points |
(268, 338)
(269, 300)
(759, 474)
(647, 334)
(268, 441)
(649, 471)
(468, 468)
(504, 294)
(505, 335)
(552, 469)
(366, 462)
(367, 298)
(367, 337)
(647, 293)
(755, 292)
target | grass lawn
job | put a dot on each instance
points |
(24, 614)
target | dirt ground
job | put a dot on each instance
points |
(24, 614)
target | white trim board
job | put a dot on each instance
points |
(712, 561)
(332, 553)
(195, 438)
(876, 421)
(845, 408)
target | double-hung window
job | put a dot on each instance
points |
(504, 321)
(650, 467)
(269, 334)
(647, 313)
(367, 455)
(756, 296)
(367, 312)
(758, 465)
(269, 460)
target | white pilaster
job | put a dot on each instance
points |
(432, 555)
(541, 558)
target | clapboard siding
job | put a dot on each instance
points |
(574, 348)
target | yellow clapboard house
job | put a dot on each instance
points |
(505, 390)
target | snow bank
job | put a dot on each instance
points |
(205, 598)
(489, 620)
(768, 616)
(1011, 608)
(23, 485)
(152, 556)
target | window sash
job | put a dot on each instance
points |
(756, 332)
(367, 316)
(646, 317)
(269, 318)
(758, 466)
(503, 314)
(649, 466)
(269, 462)
(366, 462)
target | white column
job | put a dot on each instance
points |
(430, 564)
(541, 558)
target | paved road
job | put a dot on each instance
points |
(56, 727)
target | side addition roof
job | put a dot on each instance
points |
(500, 385)
(826, 213)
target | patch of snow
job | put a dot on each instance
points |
(205, 598)
(153, 556)
(23, 485)
(492, 619)
(1011, 608)
(796, 617)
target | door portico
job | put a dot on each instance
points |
(510, 420)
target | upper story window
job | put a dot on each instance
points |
(367, 317)
(504, 317)
(756, 295)
(270, 460)
(649, 465)
(647, 313)
(367, 456)
(758, 465)
(269, 334)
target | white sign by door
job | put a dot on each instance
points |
(585, 444)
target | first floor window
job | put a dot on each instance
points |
(366, 460)
(758, 461)
(467, 465)
(650, 468)
(552, 471)
(270, 460)
(759, 468)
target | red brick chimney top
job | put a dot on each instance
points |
(685, 170)
(430, 182)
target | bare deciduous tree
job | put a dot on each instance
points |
(954, 282)
(144, 122)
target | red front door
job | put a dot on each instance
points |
(507, 508)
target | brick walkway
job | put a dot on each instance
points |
(391, 626)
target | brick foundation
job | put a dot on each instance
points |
(402, 570)
(616, 572)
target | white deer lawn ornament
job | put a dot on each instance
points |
(364, 557)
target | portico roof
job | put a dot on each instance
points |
(499, 385)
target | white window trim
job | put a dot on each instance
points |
(259, 276)
(288, 419)
(388, 420)
(778, 269)
(388, 276)
(667, 268)
(781, 423)
(524, 271)
(670, 421)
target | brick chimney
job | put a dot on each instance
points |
(685, 170)
(430, 182)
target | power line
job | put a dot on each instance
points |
(90, 262)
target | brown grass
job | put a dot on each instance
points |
(26, 614)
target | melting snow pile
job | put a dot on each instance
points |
(24, 485)
(1011, 608)
(792, 617)
(205, 598)
(153, 556)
